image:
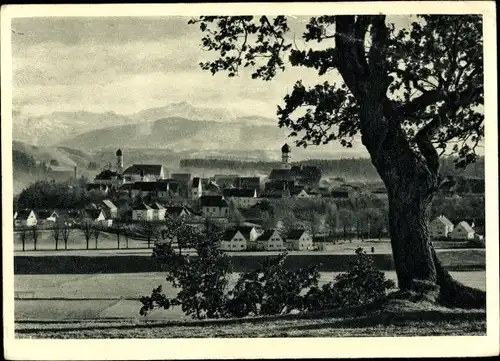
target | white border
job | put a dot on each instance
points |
(258, 348)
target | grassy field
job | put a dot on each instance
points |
(395, 318)
(84, 297)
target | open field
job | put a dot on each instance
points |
(394, 318)
(61, 297)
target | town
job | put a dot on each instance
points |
(256, 214)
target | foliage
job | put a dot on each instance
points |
(360, 285)
(202, 279)
(271, 289)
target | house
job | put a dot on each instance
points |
(233, 240)
(144, 173)
(298, 240)
(440, 227)
(25, 218)
(177, 212)
(158, 189)
(212, 189)
(241, 197)
(184, 180)
(109, 177)
(142, 212)
(270, 240)
(248, 183)
(214, 206)
(462, 231)
(46, 216)
(226, 180)
(110, 210)
(196, 188)
(158, 211)
(301, 194)
(93, 215)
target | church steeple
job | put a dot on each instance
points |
(285, 156)
(119, 161)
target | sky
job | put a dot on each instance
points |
(127, 64)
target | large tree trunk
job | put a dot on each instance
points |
(411, 185)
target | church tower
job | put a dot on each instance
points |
(119, 161)
(285, 156)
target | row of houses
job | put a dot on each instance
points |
(441, 227)
(249, 238)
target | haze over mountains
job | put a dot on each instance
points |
(176, 127)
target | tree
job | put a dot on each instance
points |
(312, 219)
(23, 234)
(87, 229)
(348, 219)
(56, 233)
(332, 219)
(65, 232)
(118, 227)
(34, 233)
(151, 231)
(96, 231)
(412, 94)
(235, 215)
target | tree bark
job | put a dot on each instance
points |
(411, 186)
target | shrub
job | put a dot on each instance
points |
(271, 289)
(360, 285)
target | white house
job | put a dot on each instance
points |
(270, 240)
(142, 212)
(462, 231)
(233, 240)
(25, 218)
(298, 240)
(110, 210)
(440, 227)
(214, 206)
(46, 216)
(241, 197)
(196, 188)
(94, 215)
(158, 211)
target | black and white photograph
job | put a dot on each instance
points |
(307, 177)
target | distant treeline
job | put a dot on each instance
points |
(345, 167)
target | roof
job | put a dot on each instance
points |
(239, 192)
(108, 204)
(151, 186)
(266, 235)
(245, 231)
(119, 153)
(466, 226)
(141, 207)
(157, 206)
(154, 169)
(92, 213)
(445, 221)
(229, 234)
(286, 148)
(213, 201)
(24, 214)
(295, 233)
(181, 176)
(95, 186)
(176, 211)
(107, 174)
(44, 214)
(281, 174)
(196, 182)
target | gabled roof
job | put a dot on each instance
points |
(44, 214)
(295, 233)
(108, 174)
(154, 169)
(245, 231)
(281, 174)
(109, 204)
(229, 234)
(24, 214)
(466, 226)
(141, 207)
(444, 221)
(92, 213)
(157, 206)
(176, 211)
(239, 192)
(213, 201)
(267, 235)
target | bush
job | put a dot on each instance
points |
(360, 285)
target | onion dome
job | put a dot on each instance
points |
(286, 149)
(119, 153)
